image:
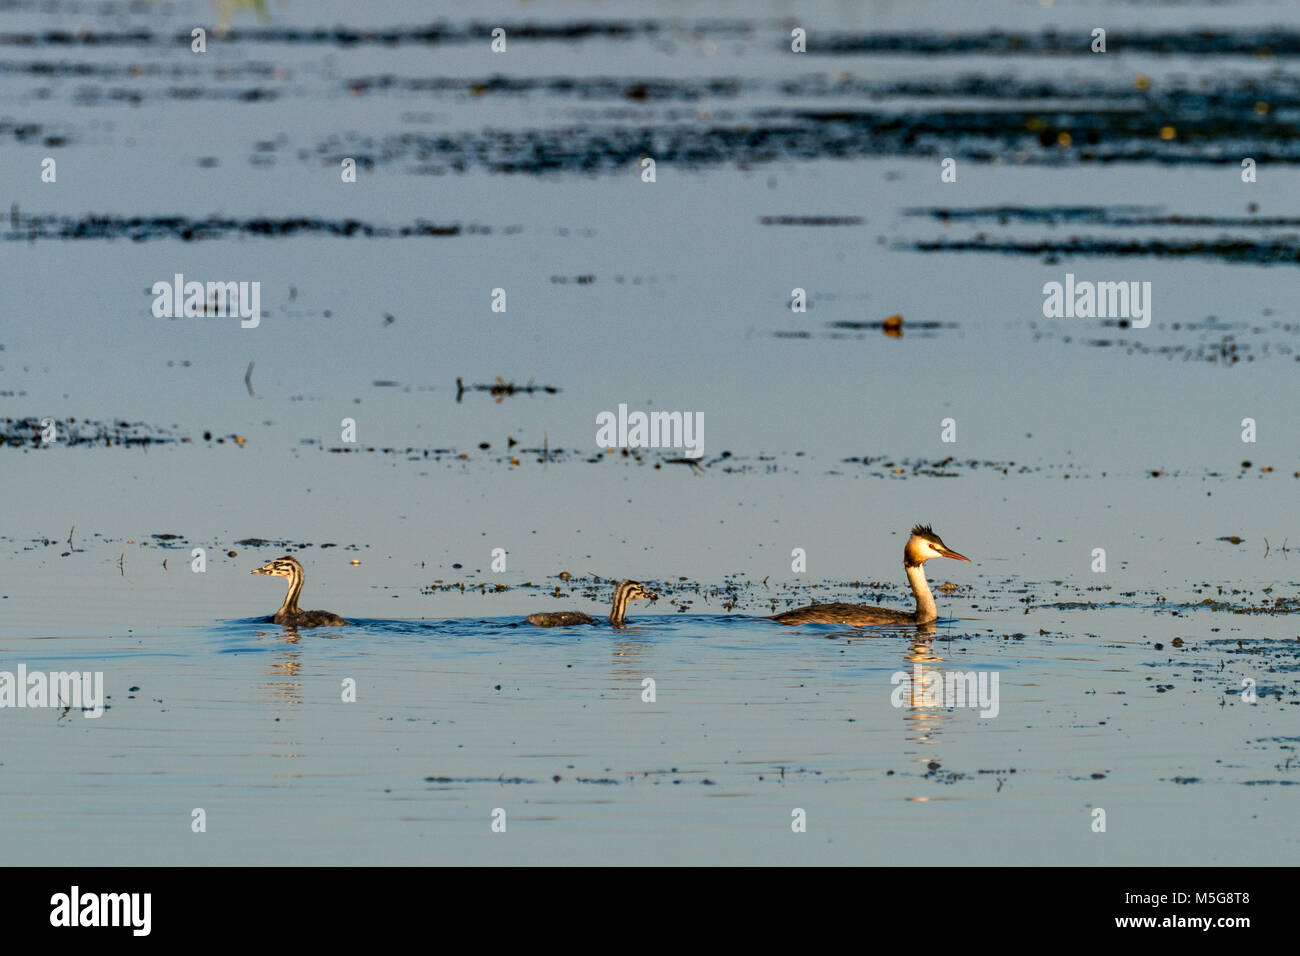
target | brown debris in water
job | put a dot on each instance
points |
(501, 388)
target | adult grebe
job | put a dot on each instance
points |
(626, 591)
(287, 567)
(923, 545)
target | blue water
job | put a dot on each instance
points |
(455, 718)
(776, 171)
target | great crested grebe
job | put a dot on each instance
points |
(626, 591)
(923, 545)
(289, 614)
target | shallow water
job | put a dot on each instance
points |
(821, 434)
(457, 717)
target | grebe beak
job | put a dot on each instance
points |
(953, 554)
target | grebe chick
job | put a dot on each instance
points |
(626, 591)
(289, 613)
(923, 545)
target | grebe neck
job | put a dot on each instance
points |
(619, 611)
(925, 609)
(290, 605)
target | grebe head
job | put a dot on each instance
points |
(924, 544)
(636, 591)
(285, 567)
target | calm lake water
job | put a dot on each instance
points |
(1161, 690)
